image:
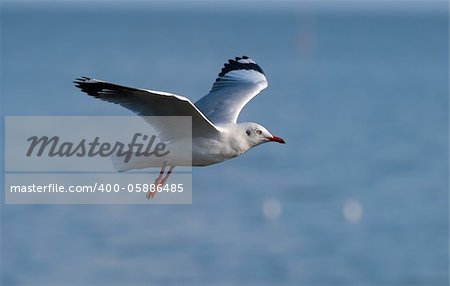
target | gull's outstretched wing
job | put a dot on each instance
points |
(239, 81)
(151, 103)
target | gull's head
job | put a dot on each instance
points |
(255, 134)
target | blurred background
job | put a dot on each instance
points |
(358, 195)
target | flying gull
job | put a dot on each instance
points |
(216, 135)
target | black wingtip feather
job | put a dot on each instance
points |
(234, 64)
(90, 88)
(103, 90)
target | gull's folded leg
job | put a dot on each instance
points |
(163, 181)
(158, 182)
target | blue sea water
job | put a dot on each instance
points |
(357, 196)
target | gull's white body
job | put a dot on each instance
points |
(216, 135)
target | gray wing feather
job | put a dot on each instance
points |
(150, 103)
(240, 80)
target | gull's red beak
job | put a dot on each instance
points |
(277, 139)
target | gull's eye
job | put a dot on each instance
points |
(259, 132)
(248, 132)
